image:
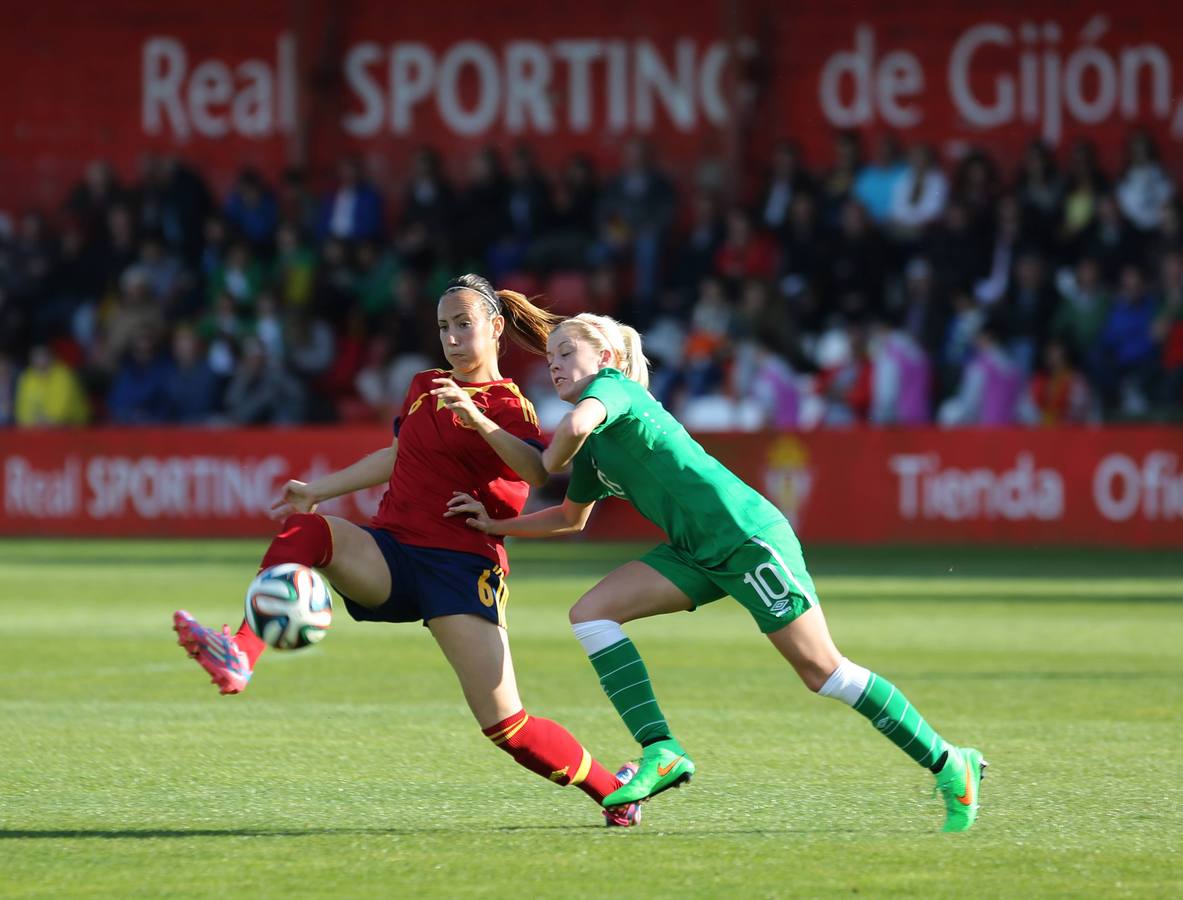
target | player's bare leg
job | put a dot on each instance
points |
(478, 651)
(634, 591)
(806, 644)
(344, 553)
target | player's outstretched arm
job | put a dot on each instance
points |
(571, 432)
(298, 497)
(568, 517)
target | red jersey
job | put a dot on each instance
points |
(437, 455)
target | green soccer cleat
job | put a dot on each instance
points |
(959, 781)
(663, 765)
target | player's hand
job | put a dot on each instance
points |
(295, 498)
(458, 400)
(463, 504)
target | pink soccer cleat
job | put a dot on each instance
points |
(215, 651)
(628, 814)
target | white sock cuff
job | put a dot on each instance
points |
(597, 634)
(846, 683)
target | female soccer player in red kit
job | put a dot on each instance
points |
(470, 429)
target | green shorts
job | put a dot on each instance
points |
(766, 575)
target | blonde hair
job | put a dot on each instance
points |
(527, 324)
(622, 341)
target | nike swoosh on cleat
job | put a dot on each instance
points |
(662, 771)
(967, 798)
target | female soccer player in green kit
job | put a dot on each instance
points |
(724, 538)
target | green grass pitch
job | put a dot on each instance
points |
(354, 768)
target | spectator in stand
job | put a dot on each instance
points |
(74, 290)
(385, 376)
(311, 349)
(636, 211)
(192, 390)
(744, 253)
(223, 329)
(241, 276)
(33, 261)
(175, 202)
(1039, 188)
(524, 216)
(268, 325)
(567, 243)
(924, 315)
(844, 383)
(1058, 394)
(764, 378)
(1144, 187)
(1110, 239)
(699, 248)
(1128, 355)
(165, 273)
(874, 186)
(8, 381)
(1028, 309)
(1082, 311)
(966, 317)
(338, 384)
(335, 290)
(837, 185)
(134, 311)
(1168, 332)
(216, 237)
(480, 207)
(139, 393)
(294, 271)
(429, 209)
(975, 187)
(296, 204)
(960, 254)
(920, 195)
(48, 393)
(708, 342)
(804, 250)
(785, 179)
(91, 201)
(353, 210)
(121, 249)
(991, 385)
(376, 268)
(857, 258)
(901, 377)
(1009, 234)
(253, 211)
(1086, 185)
(261, 391)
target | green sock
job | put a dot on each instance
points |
(626, 682)
(899, 721)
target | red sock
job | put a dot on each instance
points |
(549, 749)
(304, 538)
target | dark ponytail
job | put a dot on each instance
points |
(528, 325)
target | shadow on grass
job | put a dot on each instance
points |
(1040, 676)
(140, 834)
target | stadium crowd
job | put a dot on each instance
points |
(891, 288)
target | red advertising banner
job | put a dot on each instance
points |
(274, 82)
(1115, 486)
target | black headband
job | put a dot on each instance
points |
(483, 288)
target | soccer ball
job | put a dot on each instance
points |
(289, 606)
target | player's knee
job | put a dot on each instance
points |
(587, 608)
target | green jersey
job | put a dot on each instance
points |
(643, 454)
